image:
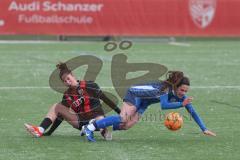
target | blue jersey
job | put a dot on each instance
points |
(141, 96)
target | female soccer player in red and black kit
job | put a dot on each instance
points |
(80, 104)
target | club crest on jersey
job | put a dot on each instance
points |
(80, 92)
(202, 12)
(77, 103)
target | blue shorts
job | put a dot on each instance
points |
(140, 103)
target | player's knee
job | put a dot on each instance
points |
(123, 126)
(76, 127)
(57, 108)
(130, 124)
(126, 127)
(53, 107)
(123, 120)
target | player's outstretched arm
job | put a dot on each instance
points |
(98, 93)
(109, 102)
(198, 120)
(165, 104)
(209, 133)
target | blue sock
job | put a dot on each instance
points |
(109, 121)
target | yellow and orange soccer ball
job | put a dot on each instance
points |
(173, 121)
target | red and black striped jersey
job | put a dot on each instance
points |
(86, 97)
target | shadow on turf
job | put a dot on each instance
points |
(124, 139)
(225, 103)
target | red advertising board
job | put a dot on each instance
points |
(121, 17)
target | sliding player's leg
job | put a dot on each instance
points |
(55, 110)
(117, 121)
(131, 122)
(54, 126)
(141, 106)
(90, 117)
(105, 132)
(127, 111)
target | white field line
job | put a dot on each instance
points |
(56, 41)
(179, 44)
(26, 42)
(109, 88)
(39, 42)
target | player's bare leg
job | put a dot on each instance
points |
(127, 112)
(131, 122)
(66, 113)
(106, 132)
(55, 110)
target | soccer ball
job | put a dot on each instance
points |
(173, 121)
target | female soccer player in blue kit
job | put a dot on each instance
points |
(170, 93)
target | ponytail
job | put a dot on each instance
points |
(63, 69)
(174, 79)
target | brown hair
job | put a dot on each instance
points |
(63, 69)
(175, 79)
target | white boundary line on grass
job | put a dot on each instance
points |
(56, 41)
(39, 42)
(179, 44)
(25, 41)
(47, 87)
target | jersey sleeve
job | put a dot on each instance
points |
(165, 104)
(95, 90)
(109, 102)
(100, 94)
(64, 101)
(196, 117)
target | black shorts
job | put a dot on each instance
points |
(85, 117)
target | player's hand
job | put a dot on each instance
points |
(209, 133)
(187, 101)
